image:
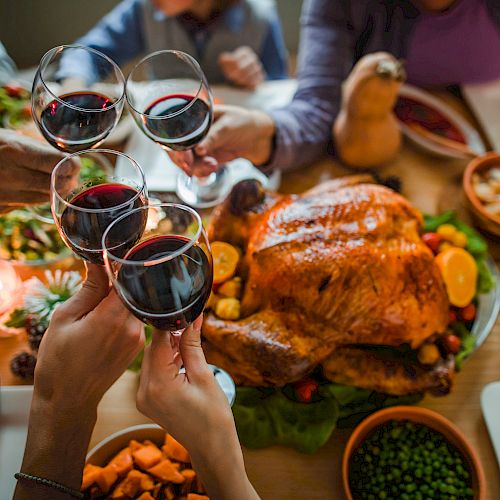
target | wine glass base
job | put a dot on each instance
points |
(203, 192)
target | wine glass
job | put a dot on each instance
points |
(171, 102)
(77, 97)
(166, 278)
(83, 207)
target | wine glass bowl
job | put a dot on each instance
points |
(171, 102)
(84, 207)
(166, 278)
(77, 97)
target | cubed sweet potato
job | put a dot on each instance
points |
(122, 462)
(147, 456)
(147, 482)
(174, 450)
(165, 471)
(106, 478)
(195, 496)
(135, 445)
(146, 496)
(90, 473)
(118, 493)
(132, 484)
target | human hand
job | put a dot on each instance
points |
(26, 168)
(190, 405)
(239, 133)
(91, 340)
(242, 67)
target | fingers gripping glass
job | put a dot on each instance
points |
(84, 206)
(172, 104)
(77, 97)
(165, 278)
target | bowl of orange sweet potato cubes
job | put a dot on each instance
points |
(141, 462)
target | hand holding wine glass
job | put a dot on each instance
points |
(171, 102)
(185, 402)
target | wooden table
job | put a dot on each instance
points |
(432, 184)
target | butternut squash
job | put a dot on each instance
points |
(366, 132)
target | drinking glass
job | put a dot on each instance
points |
(77, 97)
(165, 279)
(171, 102)
(84, 206)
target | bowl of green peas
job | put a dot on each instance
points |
(411, 453)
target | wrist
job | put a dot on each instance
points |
(267, 130)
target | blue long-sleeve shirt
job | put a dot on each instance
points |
(135, 28)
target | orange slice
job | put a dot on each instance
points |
(225, 258)
(459, 271)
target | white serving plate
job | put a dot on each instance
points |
(490, 404)
(474, 140)
(15, 404)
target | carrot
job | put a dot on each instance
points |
(147, 456)
(122, 462)
(165, 471)
(174, 450)
(90, 474)
(106, 478)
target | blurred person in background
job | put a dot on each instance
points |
(444, 42)
(235, 41)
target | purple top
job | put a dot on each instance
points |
(336, 33)
(461, 45)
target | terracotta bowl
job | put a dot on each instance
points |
(419, 416)
(103, 452)
(484, 219)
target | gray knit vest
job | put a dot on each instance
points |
(168, 33)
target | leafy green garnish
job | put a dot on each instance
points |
(266, 417)
(17, 318)
(468, 343)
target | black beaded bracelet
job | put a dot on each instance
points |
(49, 484)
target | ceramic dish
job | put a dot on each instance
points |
(472, 138)
(110, 446)
(486, 220)
(425, 417)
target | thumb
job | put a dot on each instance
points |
(190, 349)
(95, 288)
(218, 134)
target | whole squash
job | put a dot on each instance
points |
(366, 132)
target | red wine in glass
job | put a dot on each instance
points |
(102, 204)
(177, 121)
(171, 294)
(78, 120)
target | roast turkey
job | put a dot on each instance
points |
(337, 277)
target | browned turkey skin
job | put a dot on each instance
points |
(327, 273)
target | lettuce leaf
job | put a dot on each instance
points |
(267, 417)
